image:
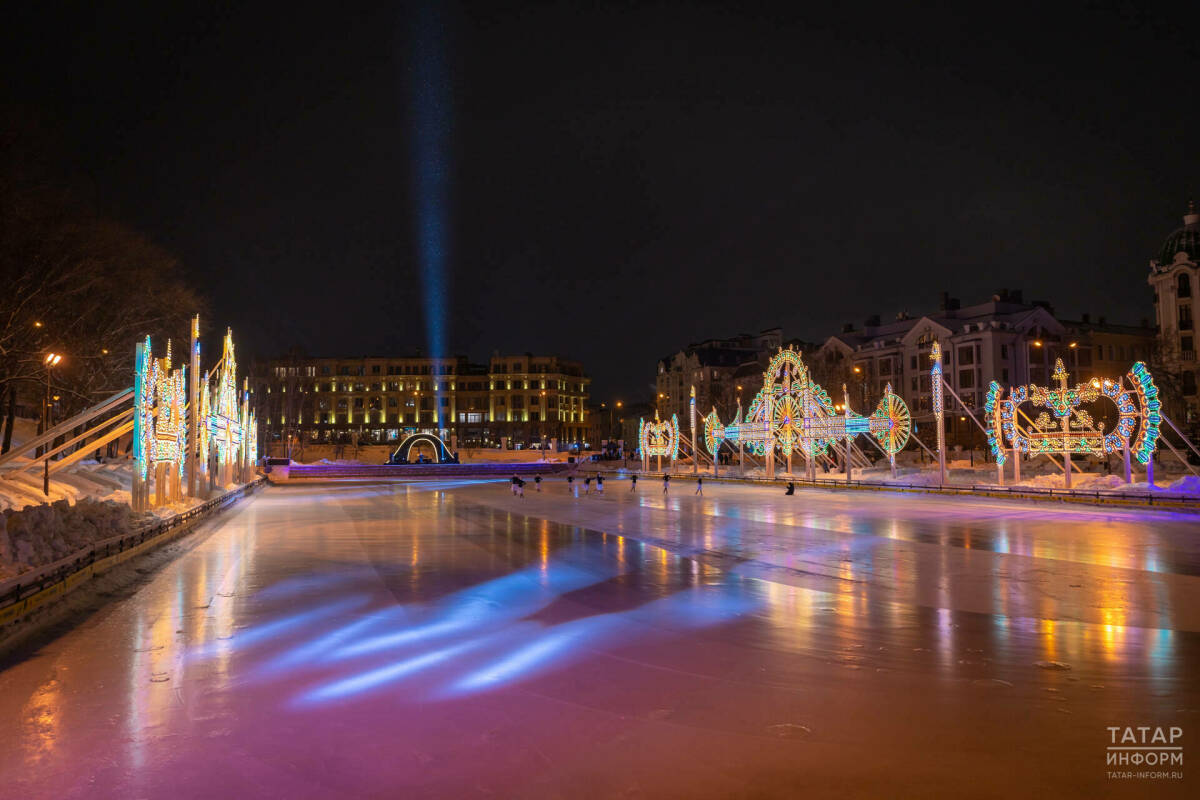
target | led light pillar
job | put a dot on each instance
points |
(194, 422)
(695, 450)
(243, 466)
(138, 493)
(935, 387)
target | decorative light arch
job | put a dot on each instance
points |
(1064, 427)
(659, 438)
(793, 414)
(442, 453)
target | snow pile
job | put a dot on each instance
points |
(1188, 484)
(1090, 482)
(43, 534)
(110, 480)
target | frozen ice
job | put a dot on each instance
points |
(446, 639)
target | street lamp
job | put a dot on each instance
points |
(52, 360)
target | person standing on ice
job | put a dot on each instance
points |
(587, 485)
(515, 481)
(599, 484)
(666, 482)
(520, 488)
(537, 483)
(571, 487)
(633, 483)
(700, 486)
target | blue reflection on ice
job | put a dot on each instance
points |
(555, 646)
(377, 677)
(546, 650)
(478, 639)
(271, 630)
(507, 598)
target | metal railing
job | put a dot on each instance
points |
(67, 571)
(980, 490)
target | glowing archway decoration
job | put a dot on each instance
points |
(223, 413)
(170, 426)
(159, 427)
(217, 420)
(793, 414)
(660, 437)
(1064, 427)
(442, 453)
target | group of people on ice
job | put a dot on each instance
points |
(573, 487)
(518, 485)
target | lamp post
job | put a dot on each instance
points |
(52, 360)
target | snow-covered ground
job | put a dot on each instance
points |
(21, 484)
(43, 534)
(110, 480)
(88, 502)
(447, 639)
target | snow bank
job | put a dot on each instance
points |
(43, 534)
(110, 480)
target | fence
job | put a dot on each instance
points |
(26, 593)
(1159, 499)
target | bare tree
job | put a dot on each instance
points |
(83, 286)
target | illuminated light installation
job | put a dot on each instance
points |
(224, 418)
(793, 414)
(249, 433)
(1149, 412)
(939, 405)
(1064, 427)
(170, 430)
(659, 438)
(143, 424)
(159, 427)
(194, 437)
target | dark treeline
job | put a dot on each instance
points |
(73, 282)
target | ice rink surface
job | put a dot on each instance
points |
(451, 640)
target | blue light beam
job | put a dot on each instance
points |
(431, 116)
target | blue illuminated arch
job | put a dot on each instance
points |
(441, 453)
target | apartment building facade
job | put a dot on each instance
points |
(518, 399)
(1004, 339)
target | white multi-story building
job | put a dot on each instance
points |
(1005, 339)
(1174, 276)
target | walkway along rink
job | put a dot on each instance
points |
(447, 639)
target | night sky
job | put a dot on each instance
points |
(611, 183)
